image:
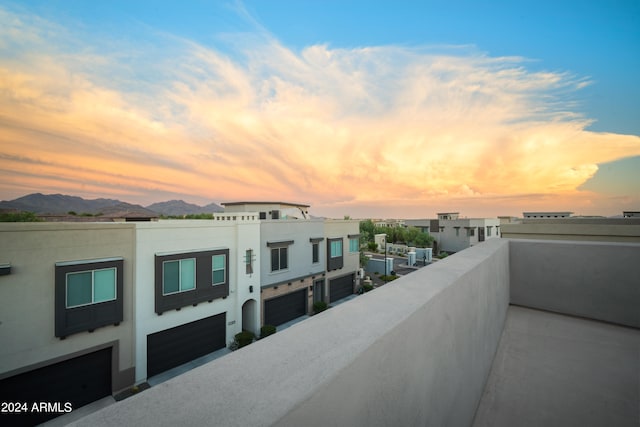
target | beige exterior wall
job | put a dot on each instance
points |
(27, 295)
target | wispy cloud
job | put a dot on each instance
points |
(331, 127)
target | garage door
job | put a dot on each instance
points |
(340, 288)
(80, 381)
(287, 307)
(173, 347)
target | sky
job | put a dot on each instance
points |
(372, 109)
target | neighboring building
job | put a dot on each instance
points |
(197, 285)
(453, 234)
(631, 214)
(592, 229)
(66, 312)
(343, 258)
(534, 215)
(388, 222)
(302, 258)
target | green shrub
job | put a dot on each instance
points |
(367, 287)
(244, 338)
(319, 306)
(388, 278)
(267, 330)
(18, 217)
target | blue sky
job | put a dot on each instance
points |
(599, 40)
(560, 76)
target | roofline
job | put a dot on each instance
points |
(297, 205)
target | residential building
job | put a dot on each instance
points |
(546, 214)
(303, 259)
(197, 285)
(453, 234)
(343, 258)
(66, 312)
(388, 222)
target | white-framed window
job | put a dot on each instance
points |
(279, 258)
(489, 231)
(353, 245)
(90, 287)
(315, 252)
(457, 231)
(218, 269)
(336, 248)
(178, 275)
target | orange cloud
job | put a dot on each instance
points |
(336, 128)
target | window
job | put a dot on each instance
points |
(457, 231)
(248, 260)
(184, 279)
(353, 245)
(334, 254)
(279, 259)
(219, 270)
(315, 249)
(336, 248)
(489, 230)
(178, 276)
(88, 295)
(471, 231)
(90, 287)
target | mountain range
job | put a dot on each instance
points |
(61, 204)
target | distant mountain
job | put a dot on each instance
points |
(180, 207)
(57, 204)
(61, 204)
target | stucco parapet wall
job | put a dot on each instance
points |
(574, 230)
(596, 280)
(415, 352)
(63, 226)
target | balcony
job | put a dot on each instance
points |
(505, 333)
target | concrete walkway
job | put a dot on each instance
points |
(555, 370)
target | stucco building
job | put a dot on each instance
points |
(453, 234)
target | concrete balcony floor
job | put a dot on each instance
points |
(556, 370)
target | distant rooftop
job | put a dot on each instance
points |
(547, 214)
(295, 205)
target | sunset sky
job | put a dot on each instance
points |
(361, 108)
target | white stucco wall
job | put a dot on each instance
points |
(179, 236)
(299, 262)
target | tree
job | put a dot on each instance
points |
(367, 231)
(18, 217)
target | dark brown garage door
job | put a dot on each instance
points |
(287, 307)
(340, 288)
(173, 347)
(81, 380)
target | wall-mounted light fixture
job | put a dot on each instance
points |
(5, 269)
